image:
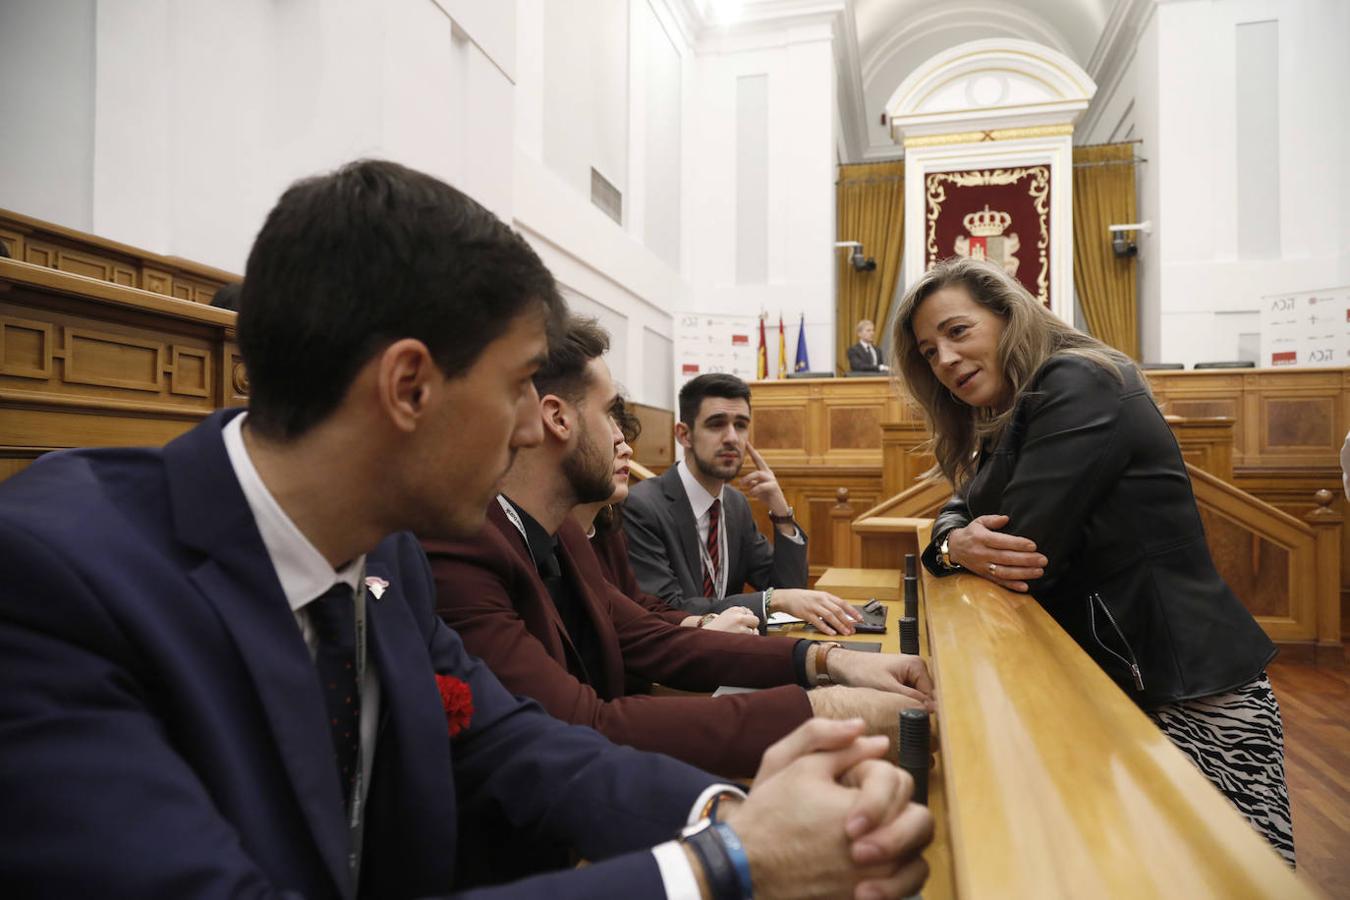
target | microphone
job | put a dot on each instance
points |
(914, 740)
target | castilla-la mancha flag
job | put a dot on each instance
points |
(762, 370)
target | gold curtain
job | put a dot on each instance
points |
(871, 209)
(1103, 194)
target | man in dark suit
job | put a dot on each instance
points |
(528, 597)
(864, 355)
(223, 676)
(694, 543)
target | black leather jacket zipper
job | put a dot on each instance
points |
(1094, 601)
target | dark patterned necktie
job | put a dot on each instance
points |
(333, 617)
(710, 571)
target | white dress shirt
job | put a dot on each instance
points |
(304, 575)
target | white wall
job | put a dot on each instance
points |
(1199, 292)
(47, 109)
(174, 124)
(799, 68)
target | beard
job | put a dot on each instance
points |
(715, 468)
(589, 471)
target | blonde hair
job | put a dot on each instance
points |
(1031, 335)
(861, 322)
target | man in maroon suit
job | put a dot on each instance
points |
(528, 597)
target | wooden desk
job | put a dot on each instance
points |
(886, 585)
(1056, 784)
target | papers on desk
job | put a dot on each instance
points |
(779, 619)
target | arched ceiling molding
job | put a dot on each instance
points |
(1015, 23)
(998, 82)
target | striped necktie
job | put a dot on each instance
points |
(710, 572)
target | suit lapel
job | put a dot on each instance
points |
(237, 578)
(520, 548)
(685, 525)
(588, 582)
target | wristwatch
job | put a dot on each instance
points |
(823, 678)
(783, 519)
(944, 555)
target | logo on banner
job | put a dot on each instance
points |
(740, 340)
(985, 239)
(689, 369)
(1284, 358)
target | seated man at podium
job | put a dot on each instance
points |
(694, 543)
(864, 355)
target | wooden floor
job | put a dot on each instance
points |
(1315, 707)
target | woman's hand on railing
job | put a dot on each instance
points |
(1007, 560)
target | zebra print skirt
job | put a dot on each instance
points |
(1237, 740)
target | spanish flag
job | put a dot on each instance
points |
(762, 369)
(782, 348)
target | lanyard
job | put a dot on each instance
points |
(356, 820)
(514, 518)
(719, 572)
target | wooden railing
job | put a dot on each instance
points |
(85, 362)
(1049, 782)
(63, 249)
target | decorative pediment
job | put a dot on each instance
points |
(999, 83)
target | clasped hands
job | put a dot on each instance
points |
(1007, 560)
(829, 817)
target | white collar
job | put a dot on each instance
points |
(302, 570)
(699, 498)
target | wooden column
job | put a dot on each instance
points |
(841, 530)
(1326, 525)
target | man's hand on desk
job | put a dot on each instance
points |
(824, 610)
(736, 620)
(879, 709)
(829, 817)
(898, 674)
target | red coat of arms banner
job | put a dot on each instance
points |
(997, 214)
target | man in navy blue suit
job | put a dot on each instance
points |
(223, 674)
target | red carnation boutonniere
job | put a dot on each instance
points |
(457, 699)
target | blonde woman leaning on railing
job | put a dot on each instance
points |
(1068, 484)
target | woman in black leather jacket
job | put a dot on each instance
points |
(1069, 484)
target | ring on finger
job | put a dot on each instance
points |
(993, 568)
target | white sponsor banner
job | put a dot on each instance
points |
(1308, 328)
(709, 342)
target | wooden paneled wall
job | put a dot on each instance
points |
(1275, 434)
(88, 363)
(65, 250)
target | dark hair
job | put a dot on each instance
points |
(227, 297)
(564, 372)
(628, 422)
(349, 262)
(713, 384)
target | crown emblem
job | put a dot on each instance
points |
(987, 223)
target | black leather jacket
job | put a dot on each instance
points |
(1090, 471)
